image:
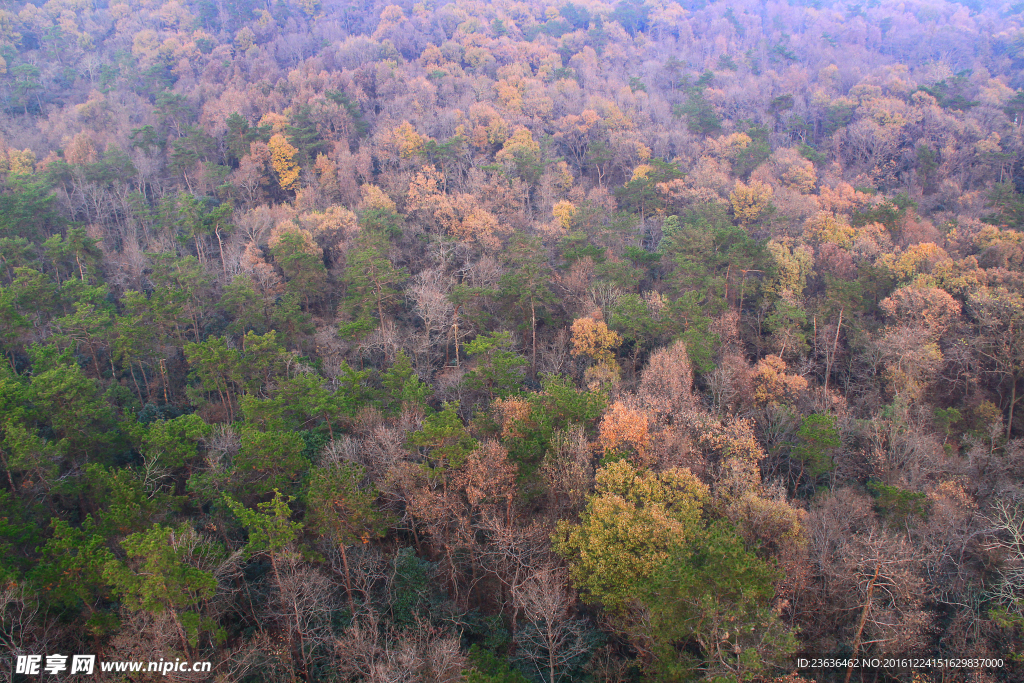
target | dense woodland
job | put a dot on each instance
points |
(510, 341)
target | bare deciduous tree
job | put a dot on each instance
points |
(25, 629)
(666, 384)
(568, 471)
(552, 637)
(1008, 524)
(305, 600)
(372, 652)
(866, 580)
(429, 295)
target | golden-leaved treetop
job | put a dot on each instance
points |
(283, 159)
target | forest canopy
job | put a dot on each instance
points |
(511, 340)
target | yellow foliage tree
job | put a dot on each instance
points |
(792, 266)
(376, 198)
(916, 259)
(145, 44)
(245, 39)
(22, 162)
(562, 175)
(409, 142)
(641, 171)
(612, 117)
(563, 211)
(800, 177)
(520, 153)
(631, 523)
(773, 386)
(729, 147)
(9, 35)
(282, 157)
(510, 94)
(592, 338)
(477, 223)
(426, 194)
(750, 202)
(277, 122)
(825, 228)
(431, 56)
(303, 238)
(733, 446)
(771, 524)
(521, 141)
(489, 128)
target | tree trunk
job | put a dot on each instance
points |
(533, 329)
(145, 380)
(863, 620)
(835, 344)
(138, 390)
(224, 401)
(1013, 402)
(815, 323)
(348, 581)
(380, 305)
(7, 469)
(95, 360)
(163, 374)
(551, 653)
(199, 243)
(456, 337)
(298, 632)
(220, 244)
(291, 636)
(415, 536)
(181, 631)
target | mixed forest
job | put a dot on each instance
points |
(512, 341)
